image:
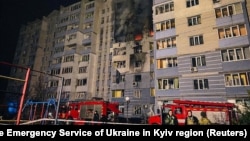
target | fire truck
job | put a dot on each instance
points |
(84, 110)
(222, 113)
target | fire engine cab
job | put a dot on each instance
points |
(217, 112)
(84, 110)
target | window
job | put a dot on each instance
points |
(152, 92)
(83, 69)
(237, 79)
(120, 64)
(161, 63)
(137, 78)
(172, 62)
(151, 46)
(196, 40)
(69, 58)
(194, 20)
(89, 15)
(54, 83)
(85, 58)
(65, 95)
(200, 84)
(138, 49)
(81, 95)
(228, 80)
(165, 25)
(118, 93)
(58, 60)
(233, 31)
(166, 43)
(55, 71)
(235, 54)
(81, 82)
(102, 20)
(90, 5)
(137, 110)
(67, 82)
(118, 78)
(168, 83)
(75, 7)
(228, 10)
(67, 70)
(164, 8)
(190, 3)
(167, 62)
(137, 93)
(58, 50)
(74, 16)
(119, 51)
(198, 61)
(152, 60)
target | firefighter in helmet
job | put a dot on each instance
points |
(204, 120)
(191, 119)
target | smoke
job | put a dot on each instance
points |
(132, 17)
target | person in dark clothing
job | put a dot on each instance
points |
(191, 119)
(104, 119)
(96, 116)
(170, 119)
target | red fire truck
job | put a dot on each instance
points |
(84, 110)
(217, 112)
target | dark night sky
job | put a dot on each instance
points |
(14, 13)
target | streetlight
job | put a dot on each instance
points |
(127, 101)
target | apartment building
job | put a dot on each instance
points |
(60, 50)
(133, 75)
(137, 53)
(201, 50)
(73, 54)
(29, 53)
(132, 68)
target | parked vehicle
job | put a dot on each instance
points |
(84, 111)
(217, 112)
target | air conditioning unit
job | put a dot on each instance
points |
(194, 69)
(135, 84)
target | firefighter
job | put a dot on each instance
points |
(170, 119)
(191, 119)
(96, 116)
(204, 120)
